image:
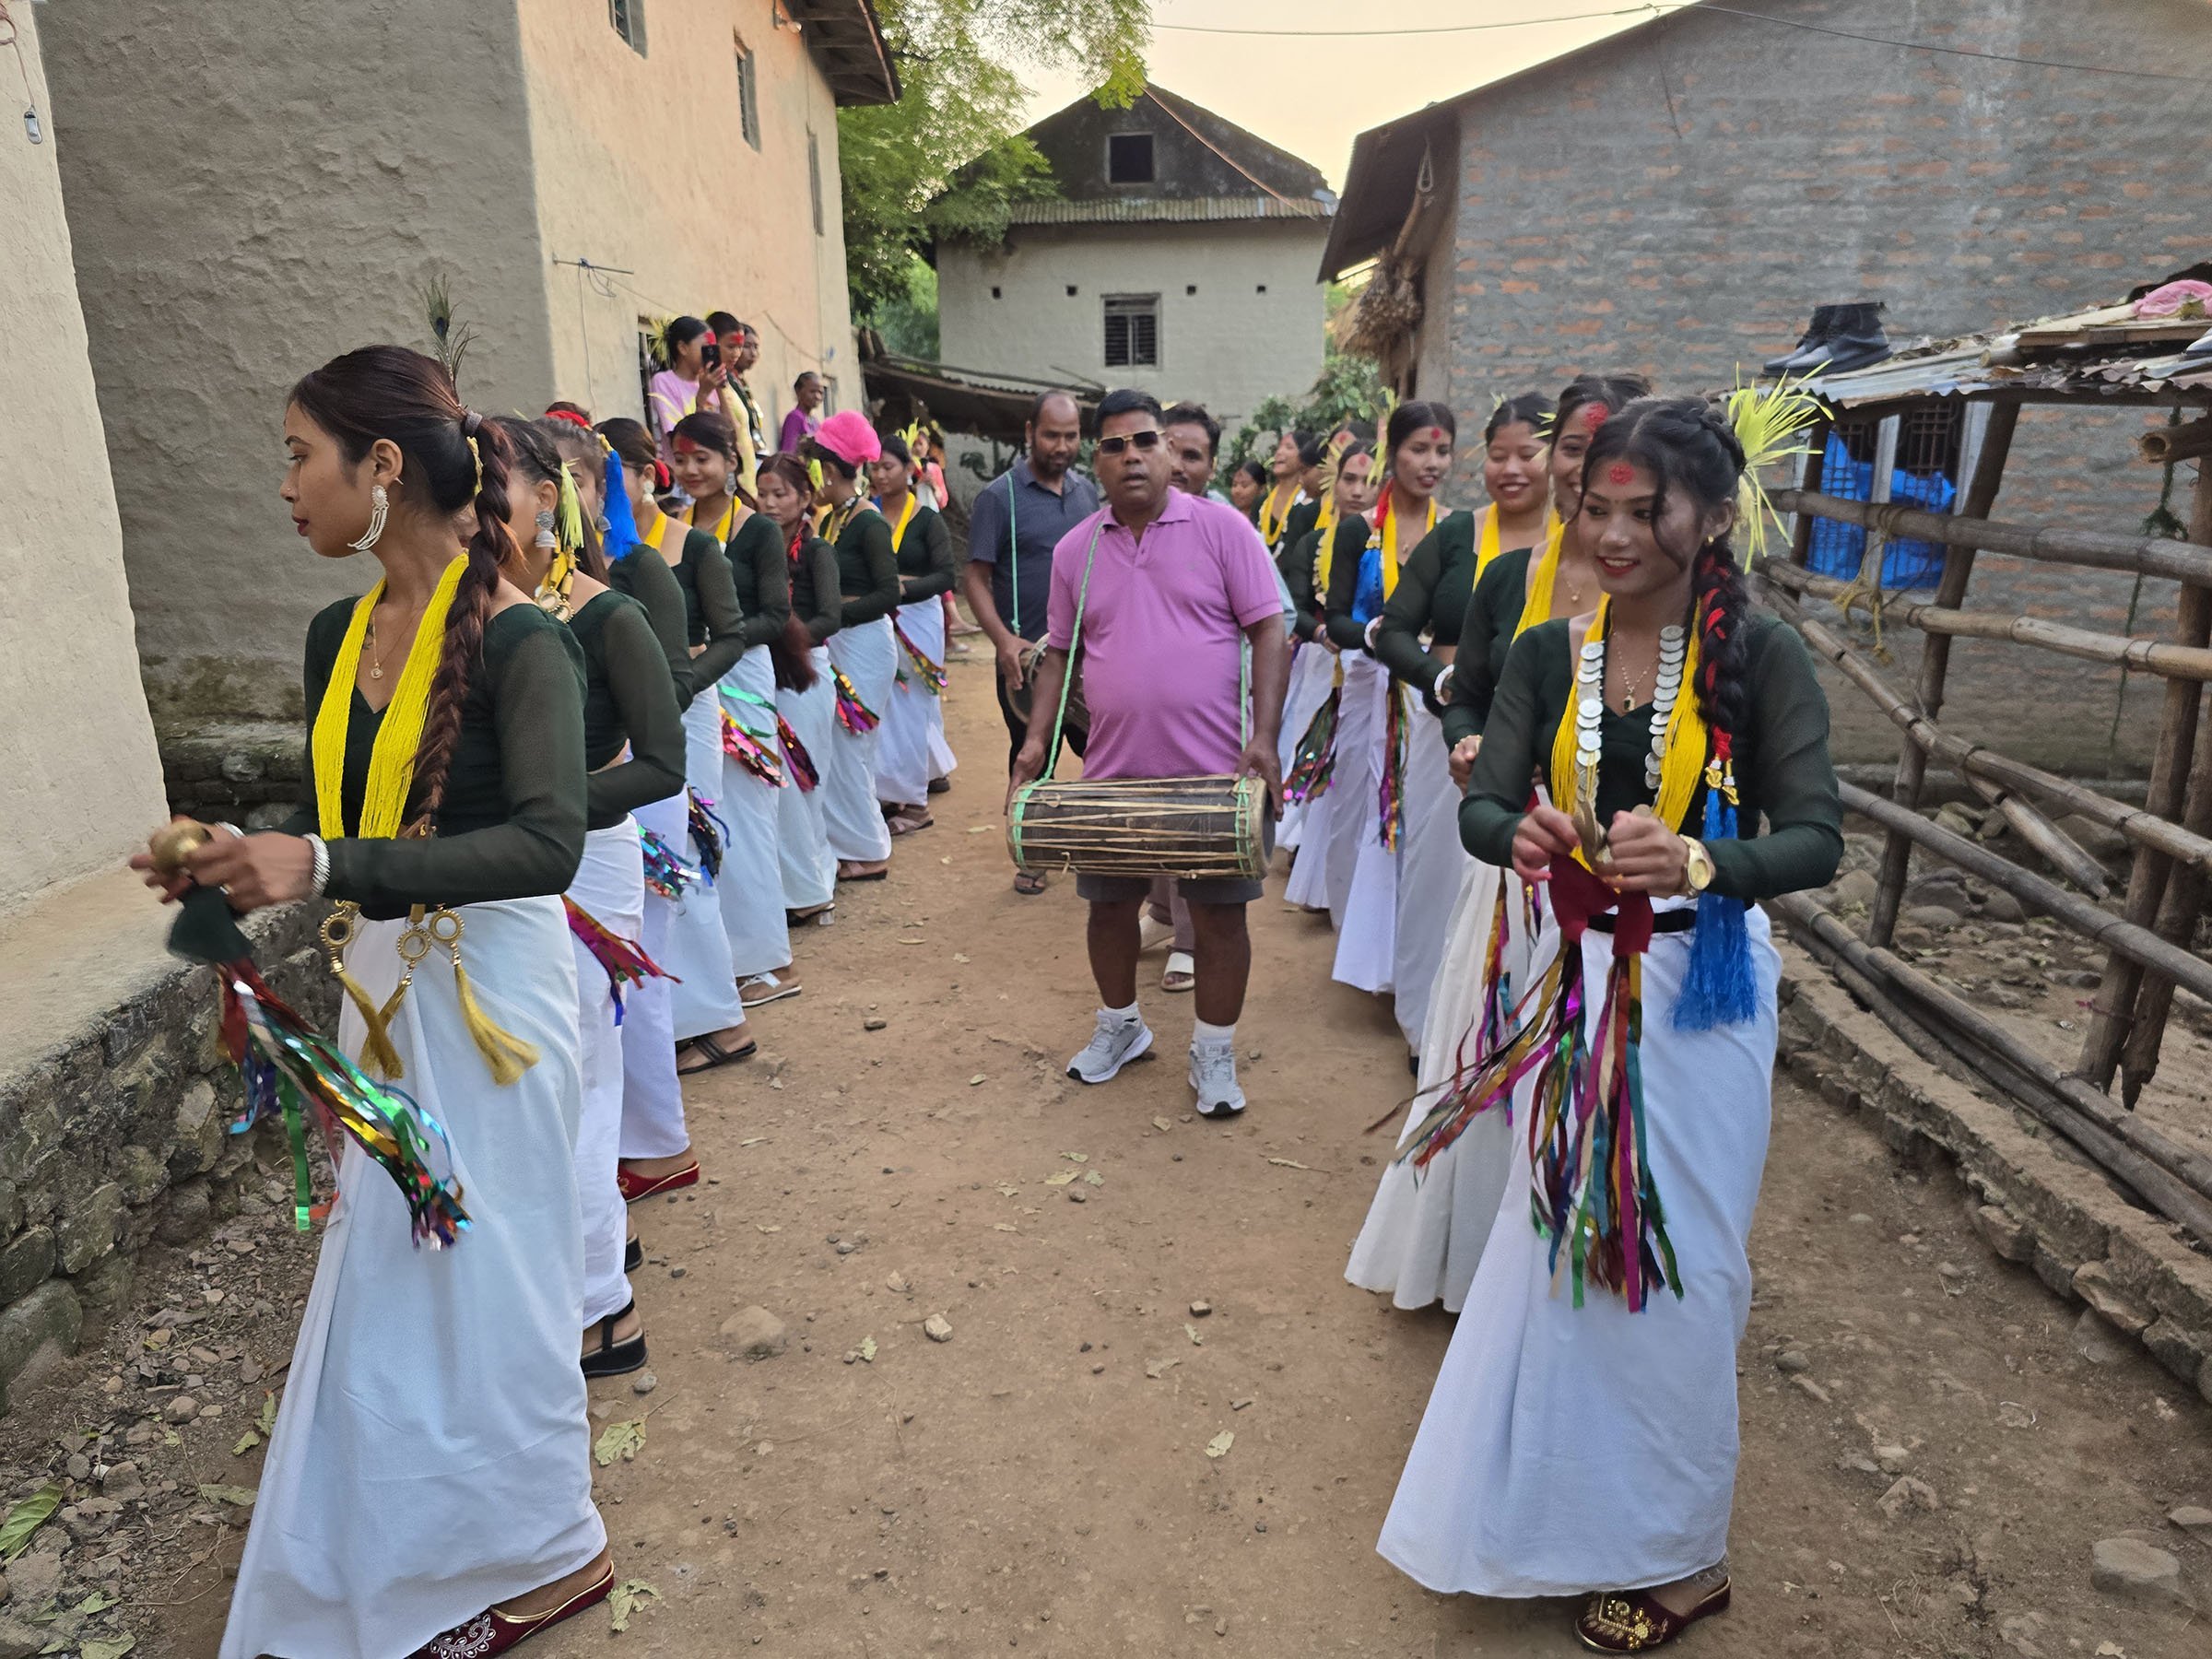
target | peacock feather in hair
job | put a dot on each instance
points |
(451, 338)
(1767, 423)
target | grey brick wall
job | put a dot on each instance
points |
(1675, 201)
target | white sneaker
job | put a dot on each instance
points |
(1114, 1045)
(1213, 1076)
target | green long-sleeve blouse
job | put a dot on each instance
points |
(762, 576)
(867, 570)
(711, 615)
(1486, 635)
(510, 822)
(1299, 522)
(925, 554)
(1296, 566)
(627, 699)
(1783, 772)
(814, 596)
(644, 576)
(1434, 584)
(1347, 544)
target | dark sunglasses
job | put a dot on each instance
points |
(1146, 440)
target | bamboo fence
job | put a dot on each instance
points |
(2148, 933)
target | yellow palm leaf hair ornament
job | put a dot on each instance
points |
(1767, 424)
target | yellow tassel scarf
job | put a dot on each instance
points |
(1272, 523)
(1384, 536)
(906, 517)
(723, 528)
(1679, 769)
(1326, 525)
(1542, 568)
(384, 816)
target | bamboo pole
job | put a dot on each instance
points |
(2113, 1010)
(1975, 761)
(1940, 622)
(2189, 561)
(1935, 662)
(2114, 1139)
(2126, 938)
(2183, 899)
(2168, 445)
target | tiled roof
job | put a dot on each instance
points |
(1137, 210)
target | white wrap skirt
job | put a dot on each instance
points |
(705, 998)
(653, 1101)
(433, 1455)
(1568, 1450)
(1367, 918)
(1312, 673)
(751, 889)
(1433, 866)
(610, 886)
(869, 656)
(808, 867)
(905, 760)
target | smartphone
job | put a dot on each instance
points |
(712, 355)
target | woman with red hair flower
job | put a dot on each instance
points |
(864, 652)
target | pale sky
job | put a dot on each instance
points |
(1312, 96)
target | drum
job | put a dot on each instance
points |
(1200, 829)
(1077, 718)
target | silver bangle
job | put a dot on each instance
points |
(1444, 674)
(320, 879)
(236, 833)
(1368, 633)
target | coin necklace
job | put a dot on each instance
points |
(1590, 710)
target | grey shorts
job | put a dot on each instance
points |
(1212, 889)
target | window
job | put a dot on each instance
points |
(1132, 330)
(629, 18)
(748, 97)
(814, 177)
(1129, 158)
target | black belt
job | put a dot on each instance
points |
(1665, 920)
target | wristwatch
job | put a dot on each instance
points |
(1697, 870)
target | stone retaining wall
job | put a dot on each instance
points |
(242, 771)
(121, 1135)
(2030, 1200)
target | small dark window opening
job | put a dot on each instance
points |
(1190, 288)
(749, 97)
(814, 178)
(1071, 290)
(994, 294)
(1129, 158)
(1261, 289)
(628, 20)
(1132, 330)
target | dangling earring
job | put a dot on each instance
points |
(379, 505)
(545, 537)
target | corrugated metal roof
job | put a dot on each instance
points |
(1142, 210)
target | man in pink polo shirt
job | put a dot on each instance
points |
(1178, 587)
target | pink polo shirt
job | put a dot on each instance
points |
(1162, 630)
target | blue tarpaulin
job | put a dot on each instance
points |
(1838, 550)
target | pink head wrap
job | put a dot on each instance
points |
(849, 437)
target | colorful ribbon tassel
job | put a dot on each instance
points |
(1591, 1192)
(933, 674)
(707, 833)
(286, 1063)
(749, 752)
(665, 874)
(1313, 762)
(804, 772)
(856, 716)
(1390, 796)
(625, 962)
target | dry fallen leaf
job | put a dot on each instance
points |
(1218, 1446)
(1076, 1157)
(626, 1598)
(959, 955)
(241, 1496)
(1162, 1124)
(755, 1141)
(867, 1349)
(907, 941)
(1191, 1332)
(1003, 1227)
(1161, 1368)
(1006, 1188)
(624, 1440)
(101, 1647)
(974, 1080)
(1289, 1163)
(266, 1423)
(1060, 1180)
(1092, 1178)
(759, 1227)
(978, 829)
(246, 1442)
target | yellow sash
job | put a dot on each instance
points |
(392, 760)
(1541, 570)
(1325, 523)
(1386, 536)
(1271, 525)
(906, 517)
(722, 530)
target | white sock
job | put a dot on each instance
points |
(1122, 1016)
(1203, 1033)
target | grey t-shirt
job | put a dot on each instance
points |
(1015, 509)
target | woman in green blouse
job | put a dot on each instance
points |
(914, 725)
(446, 772)
(633, 743)
(1314, 701)
(806, 700)
(1665, 727)
(863, 654)
(709, 1018)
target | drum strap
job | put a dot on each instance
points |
(1075, 642)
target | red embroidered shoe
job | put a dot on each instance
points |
(634, 1187)
(1633, 1621)
(492, 1631)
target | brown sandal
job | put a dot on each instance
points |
(1633, 1621)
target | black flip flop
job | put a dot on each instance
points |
(1033, 877)
(612, 1359)
(871, 875)
(633, 1255)
(716, 1055)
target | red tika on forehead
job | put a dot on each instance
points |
(1436, 435)
(684, 446)
(1620, 472)
(1593, 416)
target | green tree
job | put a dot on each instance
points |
(947, 159)
(1349, 388)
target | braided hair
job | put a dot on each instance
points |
(790, 652)
(538, 460)
(1687, 445)
(388, 391)
(1531, 409)
(581, 450)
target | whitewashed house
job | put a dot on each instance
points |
(1179, 257)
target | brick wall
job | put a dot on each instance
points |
(1677, 200)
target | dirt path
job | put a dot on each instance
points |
(1040, 1481)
